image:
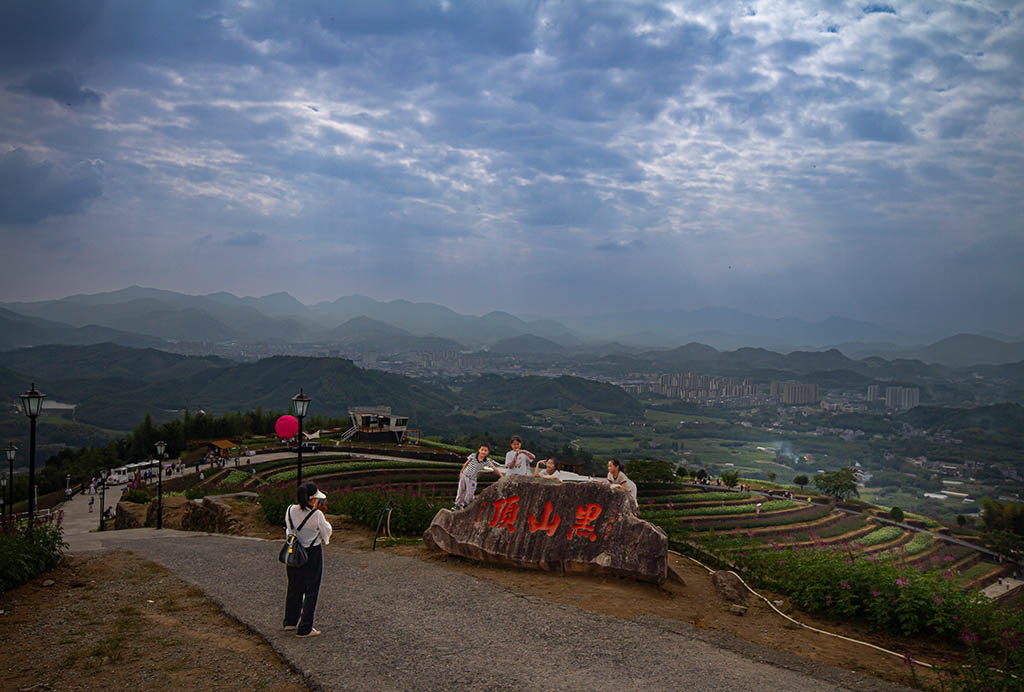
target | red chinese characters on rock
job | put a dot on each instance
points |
(505, 512)
(585, 517)
(546, 524)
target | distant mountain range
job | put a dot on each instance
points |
(148, 317)
(115, 387)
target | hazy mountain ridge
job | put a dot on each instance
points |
(162, 315)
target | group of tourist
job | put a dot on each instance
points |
(518, 463)
(307, 522)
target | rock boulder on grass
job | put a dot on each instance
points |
(568, 527)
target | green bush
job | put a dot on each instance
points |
(412, 509)
(24, 555)
(879, 536)
(137, 495)
(195, 493)
(896, 514)
(236, 478)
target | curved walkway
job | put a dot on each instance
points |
(398, 623)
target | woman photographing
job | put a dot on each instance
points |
(306, 521)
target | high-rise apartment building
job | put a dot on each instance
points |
(795, 393)
(874, 392)
(902, 398)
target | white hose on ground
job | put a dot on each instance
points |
(905, 657)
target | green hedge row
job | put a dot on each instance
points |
(322, 469)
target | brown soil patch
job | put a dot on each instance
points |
(118, 622)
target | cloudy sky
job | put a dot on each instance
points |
(780, 157)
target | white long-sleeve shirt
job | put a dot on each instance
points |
(317, 530)
(518, 463)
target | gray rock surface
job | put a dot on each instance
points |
(569, 527)
(729, 586)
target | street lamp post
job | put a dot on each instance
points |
(11, 451)
(31, 405)
(160, 447)
(300, 403)
(3, 499)
(104, 474)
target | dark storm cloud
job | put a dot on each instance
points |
(31, 191)
(59, 85)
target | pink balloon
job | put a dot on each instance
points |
(286, 427)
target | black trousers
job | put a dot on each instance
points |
(303, 590)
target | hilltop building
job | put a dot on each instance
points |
(375, 424)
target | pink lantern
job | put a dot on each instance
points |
(287, 427)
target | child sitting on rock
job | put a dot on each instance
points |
(549, 472)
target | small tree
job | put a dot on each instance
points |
(961, 521)
(701, 474)
(841, 484)
(771, 476)
(801, 481)
(896, 514)
(731, 478)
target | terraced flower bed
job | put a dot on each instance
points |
(879, 536)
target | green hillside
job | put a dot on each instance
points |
(533, 393)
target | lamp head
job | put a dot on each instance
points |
(300, 404)
(160, 447)
(32, 402)
(11, 451)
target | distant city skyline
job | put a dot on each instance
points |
(862, 160)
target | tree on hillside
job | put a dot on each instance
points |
(841, 484)
(650, 470)
(801, 481)
(896, 514)
(731, 478)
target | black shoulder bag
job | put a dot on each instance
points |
(292, 552)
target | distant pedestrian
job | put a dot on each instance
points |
(67, 494)
(306, 521)
(92, 501)
(201, 477)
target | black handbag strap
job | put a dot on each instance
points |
(288, 516)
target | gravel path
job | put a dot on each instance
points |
(398, 623)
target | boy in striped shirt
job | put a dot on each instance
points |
(467, 476)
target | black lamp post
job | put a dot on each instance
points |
(11, 451)
(31, 405)
(3, 499)
(160, 447)
(104, 474)
(300, 404)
